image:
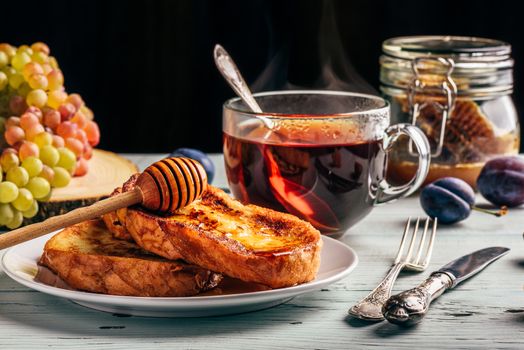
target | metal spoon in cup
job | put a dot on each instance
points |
(229, 70)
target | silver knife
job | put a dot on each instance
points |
(409, 307)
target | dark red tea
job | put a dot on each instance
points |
(331, 186)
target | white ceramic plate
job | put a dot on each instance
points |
(337, 261)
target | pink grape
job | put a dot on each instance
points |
(82, 136)
(66, 111)
(47, 173)
(79, 119)
(27, 120)
(75, 100)
(67, 129)
(14, 134)
(74, 145)
(58, 141)
(38, 81)
(36, 111)
(40, 47)
(33, 131)
(32, 68)
(88, 151)
(82, 167)
(52, 119)
(93, 133)
(17, 105)
(28, 149)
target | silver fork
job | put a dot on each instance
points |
(370, 308)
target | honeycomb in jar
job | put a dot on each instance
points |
(469, 134)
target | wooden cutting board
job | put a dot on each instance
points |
(107, 170)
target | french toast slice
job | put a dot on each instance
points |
(87, 257)
(247, 242)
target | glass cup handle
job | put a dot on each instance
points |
(387, 192)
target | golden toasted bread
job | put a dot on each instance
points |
(247, 242)
(87, 257)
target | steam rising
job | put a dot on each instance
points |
(336, 71)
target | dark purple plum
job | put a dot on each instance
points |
(448, 199)
(501, 181)
(200, 157)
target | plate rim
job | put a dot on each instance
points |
(138, 301)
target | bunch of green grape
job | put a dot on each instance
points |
(46, 135)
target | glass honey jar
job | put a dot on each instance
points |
(458, 91)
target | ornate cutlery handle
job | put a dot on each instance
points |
(370, 308)
(410, 306)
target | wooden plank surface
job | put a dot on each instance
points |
(484, 312)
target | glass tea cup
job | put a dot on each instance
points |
(320, 155)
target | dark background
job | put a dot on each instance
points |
(146, 68)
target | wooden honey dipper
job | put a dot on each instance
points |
(164, 187)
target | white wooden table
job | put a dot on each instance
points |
(486, 311)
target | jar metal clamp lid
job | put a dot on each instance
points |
(436, 70)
